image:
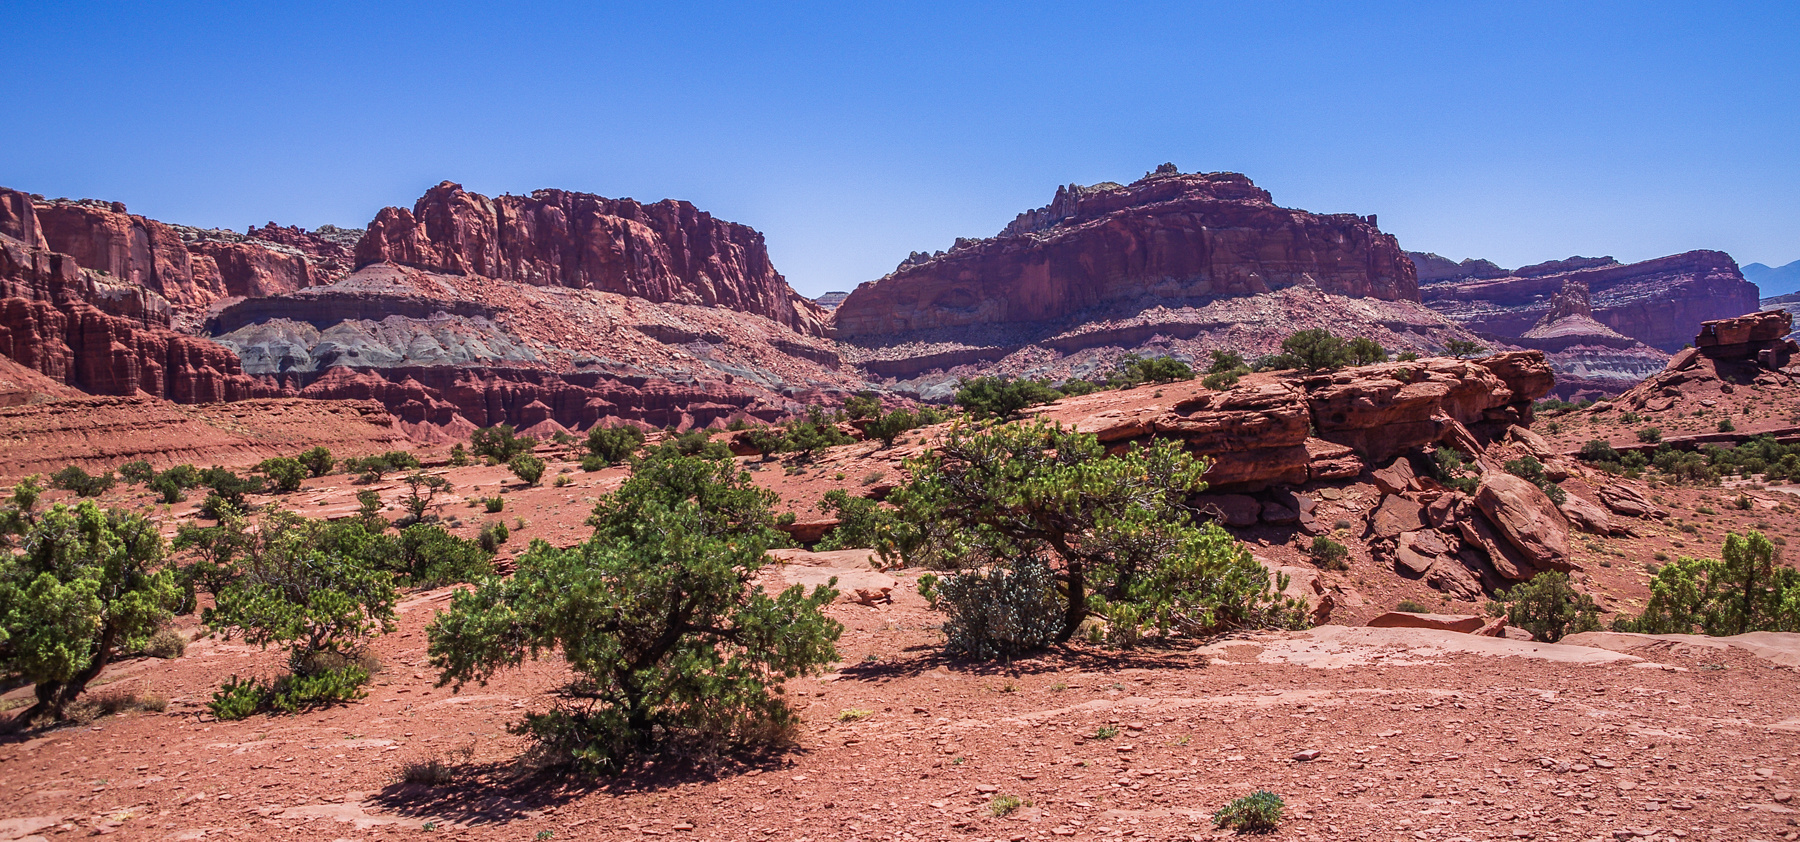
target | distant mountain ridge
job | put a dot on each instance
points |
(1774, 280)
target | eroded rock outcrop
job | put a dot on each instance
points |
(1591, 360)
(1727, 354)
(1169, 237)
(1656, 302)
(669, 251)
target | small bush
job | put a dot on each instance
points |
(1448, 468)
(527, 467)
(1650, 435)
(173, 483)
(242, 698)
(167, 644)
(493, 504)
(432, 771)
(985, 397)
(889, 427)
(492, 536)
(1410, 607)
(1364, 351)
(500, 443)
(1532, 471)
(1314, 349)
(318, 461)
(1002, 611)
(612, 445)
(1549, 607)
(1004, 805)
(237, 699)
(1725, 426)
(1134, 370)
(1258, 812)
(1220, 380)
(1463, 348)
(73, 478)
(1328, 554)
(459, 456)
(1596, 450)
(137, 473)
(285, 475)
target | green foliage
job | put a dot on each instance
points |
(612, 445)
(1463, 348)
(284, 474)
(238, 699)
(1134, 370)
(73, 478)
(860, 521)
(1328, 554)
(318, 461)
(459, 456)
(493, 535)
(1364, 351)
(1532, 471)
(995, 397)
(427, 556)
(1725, 426)
(695, 442)
(1116, 528)
(1412, 607)
(1077, 386)
(527, 467)
(137, 473)
(674, 649)
(1746, 590)
(1258, 812)
(167, 644)
(500, 443)
(1549, 607)
(422, 489)
(292, 693)
(1223, 361)
(368, 506)
(1000, 611)
(1447, 467)
(1315, 349)
(1650, 435)
(1220, 380)
(85, 585)
(1407, 355)
(813, 432)
(1598, 450)
(1558, 405)
(1762, 455)
(862, 405)
(173, 483)
(888, 427)
(373, 468)
(318, 588)
(493, 504)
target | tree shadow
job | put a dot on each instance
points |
(1058, 658)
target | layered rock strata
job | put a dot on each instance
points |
(1168, 238)
(1591, 360)
(669, 251)
(1655, 302)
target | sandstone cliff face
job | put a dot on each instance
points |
(1656, 302)
(1168, 238)
(669, 251)
(1591, 360)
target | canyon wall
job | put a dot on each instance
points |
(1169, 237)
(669, 251)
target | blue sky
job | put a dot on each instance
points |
(851, 134)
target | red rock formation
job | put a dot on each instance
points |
(1591, 360)
(1167, 238)
(669, 251)
(1655, 302)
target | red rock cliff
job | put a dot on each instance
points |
(1656, 302)
(669, 251)
(1166, 238)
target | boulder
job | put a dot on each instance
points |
(1396, 478)
(1629, 501)
(1589, 516)
(1465, 623)
(1396, 515)
(1238, 510)
(1304, 584)
(1526, 517)
(1276, 513)
(1419, 551)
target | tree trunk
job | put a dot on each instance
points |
(1077, 608)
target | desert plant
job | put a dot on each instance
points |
(1000, 611)
(422, 489)
(862, 405)
(173, 483)
(73, 478)
(493, 535)
(1113, 526)
(612, 445)
(1463, 348)
(1315, 349)
(1725, 426)
(674, 649)
(1220, 380)
(167, 644)
(1743, 591)
(1258, 812)
(284, 474)
(137, 472)
(1650, 435)
(1134, 370)
(527, 467)
(500, 443)
(995, 397)
(459, 456)
(888, 427)
(1549, 607)
(87, 585)
(1532, 471)
(1364, 351)
(493, 504)
(428, 556)
(1447, 467)
(1410, 606)
(227, 490)
(1596, 450)
(1328, 554)
(318, 461)
(860, 521)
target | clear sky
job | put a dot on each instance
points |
(853, 133)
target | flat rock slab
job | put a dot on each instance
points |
(1326, 647)
(853, 570)
(1781, 648)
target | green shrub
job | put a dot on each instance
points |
(1364, 351)
(173, 483)
(1409, 606)
(1463, 348)
(243, 698)
(675, 651)
(428, 556)
(888, 427)
(1745, 590)
(862, 405)
(612, 445)
(1220, 380)
(1314, 349)
(492, 536)
(459, 456)
(85, 586)
(73, 478)
(1650, 435)
(167, 644)
(1328, 554)
(1447, 467)
(1115, 527)
(284, 474)
(860, 521)
(1258, 812)
(1000, 611)
(527, 467)
(1532, 471)
(1407, 356)
(500, 443)
(422, 491)
(137, 473)
(1223, 361)
(238, 698)
(1134, 370)
(493, 504)
(995, 397)
(318, 461)
(1596, 450)
(1549, 607)
(1725, 426)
